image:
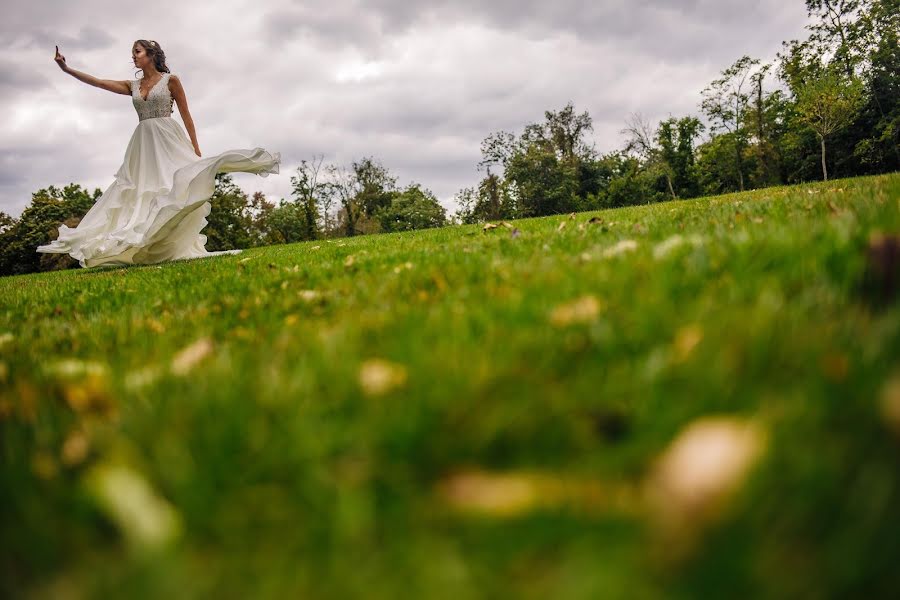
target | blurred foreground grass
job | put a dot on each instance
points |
(690, 399)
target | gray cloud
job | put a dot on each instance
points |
(417, 85)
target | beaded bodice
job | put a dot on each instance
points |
(159, 100)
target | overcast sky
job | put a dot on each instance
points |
(417, 85)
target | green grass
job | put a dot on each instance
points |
(267, 467)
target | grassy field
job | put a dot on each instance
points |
(693, 399)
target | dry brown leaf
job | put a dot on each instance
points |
(348, 262)
(144, 517)
(620, 248)
(580, 311)
(511, 494)
(700, 470)
(890, 404)
(497, 495)
(378, 376)
(190, 356)
(489, 226)
(562, 225)
(75, 449)
(309, 295)
(90, 395)
(686, 340)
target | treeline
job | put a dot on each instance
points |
(829, 105)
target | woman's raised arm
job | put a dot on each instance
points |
(119, 87)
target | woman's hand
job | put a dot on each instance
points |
(197, 151)
(61, 61)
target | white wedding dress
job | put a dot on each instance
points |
(158, 204)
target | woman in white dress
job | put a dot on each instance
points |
(157, 205)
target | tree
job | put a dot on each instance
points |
(38, 225)
(260, 211)
(828, 104)
(676, 142)
(491, 200)
(642, 142)
(360, 192)
(413, 208)
(229, 220)
(836, 31)
(725, 104)
(307, 192)
(545, 170)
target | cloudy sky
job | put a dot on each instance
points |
(417, 85)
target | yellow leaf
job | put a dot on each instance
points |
(378, 377)
(190, 356)
(700, 470)
(583, 310)
(890, 404)
(686, 340)
(620, 248)
(145, 518)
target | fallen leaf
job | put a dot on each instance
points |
(145, 518)
(499, 495)
(6, 338)
(580, 311)
(489, 226)
(835, 367)
(309, 295)
(699, 471)
(620, 248)
(562, 225)
(348, 262)
(90, 395)
(686, 340)
(512, 494)
(142, 377)
(890, 404)
(378, 376)
(75, 449)
(190, 356)
(882, 272)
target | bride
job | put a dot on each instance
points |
(157, 205)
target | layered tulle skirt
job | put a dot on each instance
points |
(158, 203)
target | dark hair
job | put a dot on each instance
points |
(155, 51)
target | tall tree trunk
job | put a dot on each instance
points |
(824, 168)
(760, 132)
(671, 189)
(740, 167)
